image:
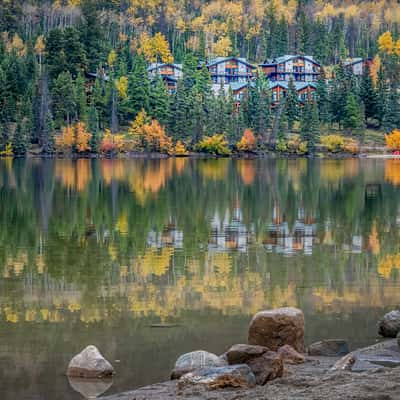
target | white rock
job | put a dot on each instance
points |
(90, 364)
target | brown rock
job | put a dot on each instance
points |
(290, 356)
(267, 367)
(275, 328)
(345, 363)
(241, 353)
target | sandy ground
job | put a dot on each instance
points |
(309, 381)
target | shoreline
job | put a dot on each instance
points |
(382, 154)
(312, 380)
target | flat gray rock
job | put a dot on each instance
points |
(329, 348)
(236, 376)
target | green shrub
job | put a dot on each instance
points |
(215, 144)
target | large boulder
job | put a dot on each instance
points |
(389, 325)
(196, 360)
(275, 328)
(329, 348)
(290, 356)
(267, 367)
(241, 353)
(90, 364)
(237, 376)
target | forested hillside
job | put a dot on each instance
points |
(73, 73)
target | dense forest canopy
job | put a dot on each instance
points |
(73, 74)
(252, 28)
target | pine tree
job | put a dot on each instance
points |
(159, 101)
(56, 58)
(260, 106)
(338, 95)
(391, 114)
(48, 134)
(291, 104)
(322, 98)
(80, 98)
(64, 100)
(94, 128)
(139, 88)
(309, 128)
(91, 34)
(367, 94)
(354, 117)
(23, 132)
(382, 95)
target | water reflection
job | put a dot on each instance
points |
(96, 251)
(90, 388)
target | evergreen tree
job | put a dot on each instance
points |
(338, 95)
(322, 98)
(309, 127)
(64, 100)
(74, 51)
(91, 34)
(56, 58)
(80, 98)
(159, 101)
(94, 128)
(367, 94)
(391, 114)
(260, 106)
(48, 134)
(382, 95)
(354, 116)
(291, 104)
(23, 132)
(139, 88)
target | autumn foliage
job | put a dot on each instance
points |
(73, 138)
(248, 142)
(393, 140)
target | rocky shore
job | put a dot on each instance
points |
(274, 364)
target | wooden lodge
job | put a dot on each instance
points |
(296, 67)
(169, 72)
(230, 70)
(357, 65)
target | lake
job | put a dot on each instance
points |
(98, 251)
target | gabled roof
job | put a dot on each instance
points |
(154, 66)
(238, 85)
(297, 85)
(96, 75)
(355, 60)
(288, 57)
(219, 60)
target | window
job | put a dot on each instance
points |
(282, 77)
(214, 79)
(295, 69)
(274, 96)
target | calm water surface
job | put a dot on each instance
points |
(96, 251)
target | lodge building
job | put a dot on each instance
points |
(170, 73)
(298, 68)
(236, 74)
